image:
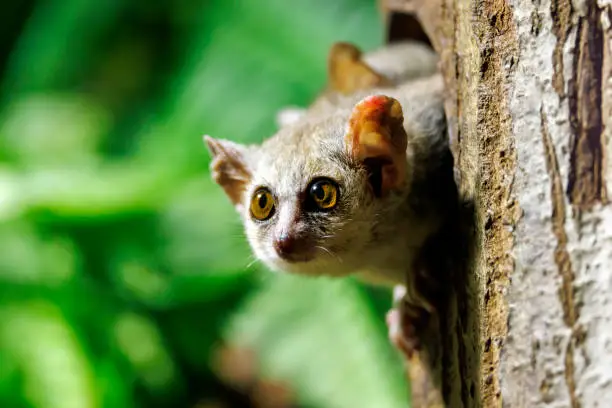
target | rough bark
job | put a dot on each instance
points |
(529, 102)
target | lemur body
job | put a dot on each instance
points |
(357, 182)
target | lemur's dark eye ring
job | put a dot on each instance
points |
(262, 204)
(323, 193)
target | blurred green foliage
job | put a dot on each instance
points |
(123, 268)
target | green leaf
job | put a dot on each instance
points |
(142, 344)
(195, 251)
(103, 191)
(203, 231)
(56, 372)
(31, 259)
(322, 337)
(56, 44)
(54, 130)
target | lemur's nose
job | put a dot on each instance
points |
(285, 245)
(290, 247)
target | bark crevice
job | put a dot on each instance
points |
(587, 185)
(562, 256)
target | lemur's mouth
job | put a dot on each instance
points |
(296, 257)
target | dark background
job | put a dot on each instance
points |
(123, 269)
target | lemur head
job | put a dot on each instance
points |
(314, 197)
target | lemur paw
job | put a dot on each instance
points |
(405, 323)
(402, 334)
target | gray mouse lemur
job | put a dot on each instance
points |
(357, 182)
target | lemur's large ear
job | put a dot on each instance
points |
(348, 72)
(376, 138)
(229, 167)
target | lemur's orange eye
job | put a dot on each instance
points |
(262, 204)
(324, 193)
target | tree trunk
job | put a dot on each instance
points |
(530, 107)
